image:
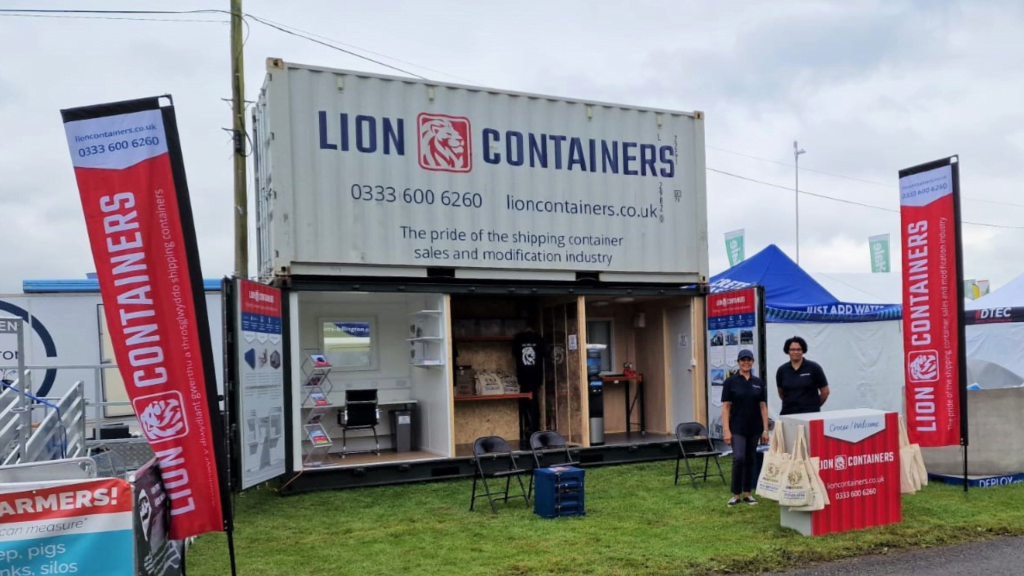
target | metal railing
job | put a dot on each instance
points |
(63, 429)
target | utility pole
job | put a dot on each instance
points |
(238, 139)
(797, 151)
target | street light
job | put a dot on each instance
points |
(797, 151)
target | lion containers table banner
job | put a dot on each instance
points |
(67, 528)
(933, 334)
(131, 181)
(859, 464)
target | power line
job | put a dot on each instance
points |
(843, 200)
(85, 17)
(329, 45)
(56, 13)
(844, 176)
(340, 43)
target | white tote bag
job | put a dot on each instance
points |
(796, 483)
(769, 481)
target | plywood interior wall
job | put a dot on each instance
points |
(486, 418)
(647, 348)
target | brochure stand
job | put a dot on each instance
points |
(316, 402)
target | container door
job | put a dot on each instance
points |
(680, 371)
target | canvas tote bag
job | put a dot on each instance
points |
(769, 481)
(796, 484)
(819, 495)
(912, 476)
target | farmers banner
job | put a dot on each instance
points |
(933, 327)
(131, 180)
(77, 527)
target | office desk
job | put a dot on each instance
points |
(631, 399)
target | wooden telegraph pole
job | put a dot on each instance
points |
(238, 133)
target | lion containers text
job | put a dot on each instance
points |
(360, 169)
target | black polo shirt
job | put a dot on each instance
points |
(745, 397)
(800, 387)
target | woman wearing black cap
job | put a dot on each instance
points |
(745, 418)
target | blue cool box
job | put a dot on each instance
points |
(558, 491)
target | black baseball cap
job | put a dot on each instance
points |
(745, 354)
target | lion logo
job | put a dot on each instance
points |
(795, 477)
(840, 463)
(162, 416)
(445, 143)
(772, 471)
(923, 366)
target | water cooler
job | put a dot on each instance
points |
(596, 393)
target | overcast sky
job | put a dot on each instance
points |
(867, 87)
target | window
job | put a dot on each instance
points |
(350, 343)
(600, 332)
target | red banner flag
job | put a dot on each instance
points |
(130, 175)
(932, 303)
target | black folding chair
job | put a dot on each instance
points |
(694, 442)
(549, 443)
(495, 450)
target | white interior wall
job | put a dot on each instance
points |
(393, 376)
(863, 362)
(430, 386)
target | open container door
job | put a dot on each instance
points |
(254, 373)
(735, 320)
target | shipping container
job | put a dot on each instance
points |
(424, 234)
(360, 173)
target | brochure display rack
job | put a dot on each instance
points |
(316, 403)
(426, 339)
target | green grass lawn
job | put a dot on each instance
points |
(637, 522)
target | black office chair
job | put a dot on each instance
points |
(694, 442)
(549, 443)
(496, 450)
(360, 412)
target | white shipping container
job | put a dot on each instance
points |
(359, 173)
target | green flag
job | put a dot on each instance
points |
(734, 246)
(879, 253)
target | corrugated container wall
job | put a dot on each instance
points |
(365, 174)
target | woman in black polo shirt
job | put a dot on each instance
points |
(802, 385)
(745, 419)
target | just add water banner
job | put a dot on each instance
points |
(933, 333)
(131, 180)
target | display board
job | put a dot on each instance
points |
(259, 356)
(734, 322)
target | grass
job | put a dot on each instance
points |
(637, 522)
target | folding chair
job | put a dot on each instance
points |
(696, 436)
(548, 442)
(496, 449)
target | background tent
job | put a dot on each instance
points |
(995, 336)
(859, 345)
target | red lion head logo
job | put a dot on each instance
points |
(162, 416)
(445, 143)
